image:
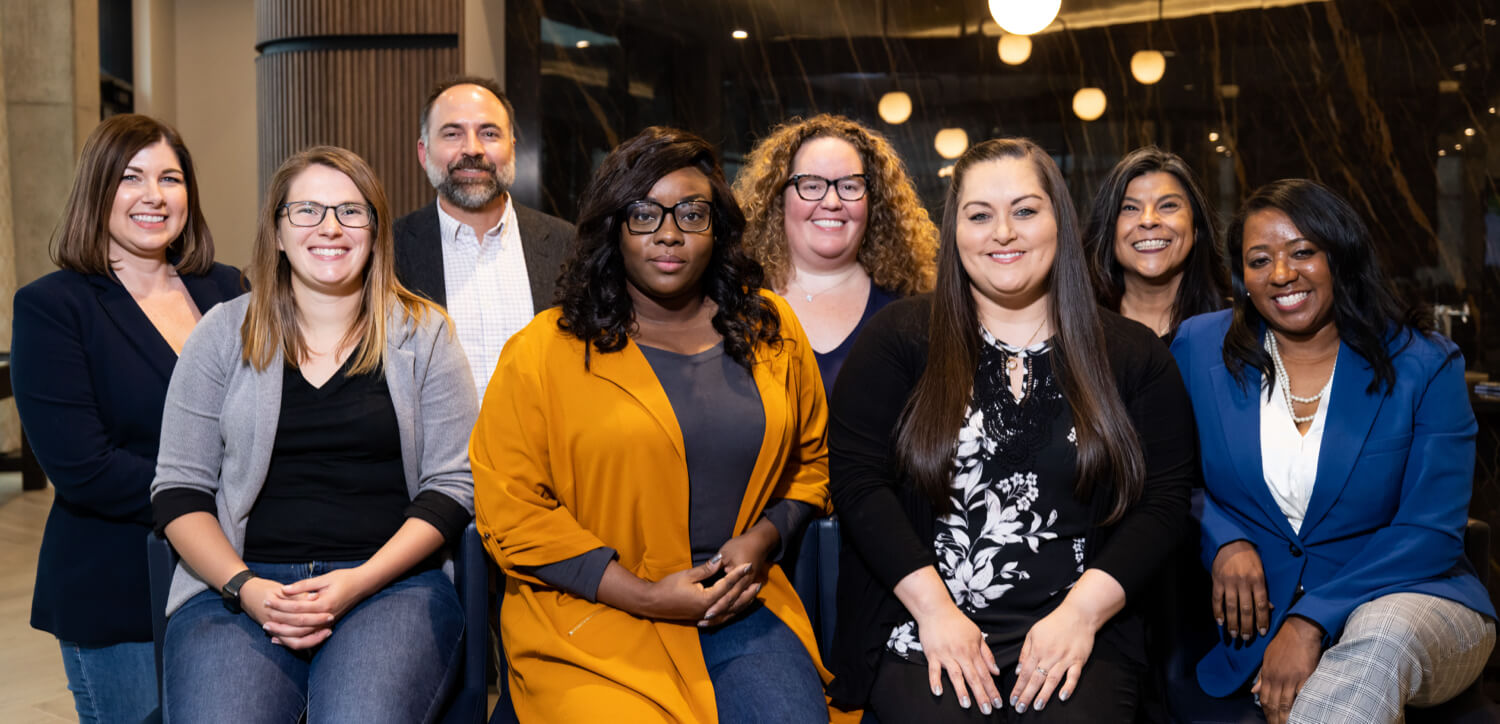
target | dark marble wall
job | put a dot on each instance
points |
(1374, 97)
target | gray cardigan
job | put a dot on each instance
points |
(221, 416)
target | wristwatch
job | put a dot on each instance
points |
(231, 590)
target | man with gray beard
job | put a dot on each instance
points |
(491, 262)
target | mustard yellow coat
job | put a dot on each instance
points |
(568, 459)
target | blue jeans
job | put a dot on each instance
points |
(762, 672)
(391, 658)
(112, 683)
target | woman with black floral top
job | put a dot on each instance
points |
(1009, 464)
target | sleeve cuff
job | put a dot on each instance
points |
(789, 517)
(579, 575)
(173, 503)
(444, 513)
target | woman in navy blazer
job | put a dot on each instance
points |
(1338, 454)
(93, 348)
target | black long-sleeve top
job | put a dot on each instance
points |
(887, 525)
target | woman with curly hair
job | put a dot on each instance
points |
(1152, 245)
(834, 219)
(642, 451)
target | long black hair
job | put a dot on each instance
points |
(1366, 308)
(1205, 281)
(1109, 452)
(591, 288)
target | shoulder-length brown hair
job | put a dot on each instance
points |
(900, 239)
(272, 321)
(1109, 452)
(81, 241)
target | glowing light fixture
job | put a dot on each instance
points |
(951, 142)
(1089, 103)
(582, 44)
(1458, 147)
(1148, 66)
(1442, 152)
(1213, 136)
(739, 35)
(895, 107)
(1469, 132)
(1024, 17)
(1014, 49)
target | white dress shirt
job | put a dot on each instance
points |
(489, 292)
(1288, 458)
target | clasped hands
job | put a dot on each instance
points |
(301, 615)
(744, 561)
(1241, 605)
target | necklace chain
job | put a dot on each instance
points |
(1014, 360)
(809, 295)
(1284, 380)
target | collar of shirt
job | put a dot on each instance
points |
(454, 231)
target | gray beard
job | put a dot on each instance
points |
(471, 195)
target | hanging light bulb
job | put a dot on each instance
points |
(1089, 103)
(1014, 49)
(895, 107)
(951, 142)
(1024, 17)
(1148, 66)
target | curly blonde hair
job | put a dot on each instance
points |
(899, 249)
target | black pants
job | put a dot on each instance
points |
(1108, 691)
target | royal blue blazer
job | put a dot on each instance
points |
(90, 376)
(1389, 506)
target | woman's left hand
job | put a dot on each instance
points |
(332, 593)
(754, 548)
(1052, 658)
(1290, 658)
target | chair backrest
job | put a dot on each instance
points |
(161, 563)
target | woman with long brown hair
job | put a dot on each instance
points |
(1009, 464)
(314, 465)
(93, 347)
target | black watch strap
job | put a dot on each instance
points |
(231, 589)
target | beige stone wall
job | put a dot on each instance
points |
(9, 425)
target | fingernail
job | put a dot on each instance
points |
(1063, 696)
(963, 701)
(716, 558)
(1245, 636)
(1018, 669)
(1013, 698)
(999, 704)
(937, 691)
(1040, 704)
(1021, 708)
(1233, 633)
(984, 708)
(1220, 621)
(746, 569)
(330, 618)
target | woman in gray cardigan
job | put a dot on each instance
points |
(313, 466)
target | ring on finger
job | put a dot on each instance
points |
(1041, 671)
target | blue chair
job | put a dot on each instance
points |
(471, 578)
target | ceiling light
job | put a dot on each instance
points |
(1213, 136)
(1089, 103)
(1014, 49)
(895, 107)
(1458, 147)
(1469, 132)
(582, 44)
(739, 35)
(1148, 66)
(1219, 149)
(1024, 17)
(951, 142)
(1442, 151)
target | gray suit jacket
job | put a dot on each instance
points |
(221, 416)
(545, 241)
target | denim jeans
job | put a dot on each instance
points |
(112, 683)
(762, 672)
(391, 658)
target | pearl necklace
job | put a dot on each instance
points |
(1285, 381)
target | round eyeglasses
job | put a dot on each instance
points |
(645, 217)
(311, 213)
(815, 188)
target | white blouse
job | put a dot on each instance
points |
(1288, 458)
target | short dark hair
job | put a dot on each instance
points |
(1366, 308)
(81, 242)
(488, 84)
(1205, 283)
(596, 307)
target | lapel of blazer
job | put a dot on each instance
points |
(539, 250)
(134, 325)
(420, 251)
(1240, 423)
(267, 413)
(629, 370)
(1351, 414)
(400, 375)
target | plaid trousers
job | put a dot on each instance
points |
(1397, 650)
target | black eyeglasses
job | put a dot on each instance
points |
(815, 188)
(311, 213)
(645, 217)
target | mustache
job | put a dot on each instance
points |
(478, 163)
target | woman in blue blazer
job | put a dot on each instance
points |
(1338, 454)
(93, 347)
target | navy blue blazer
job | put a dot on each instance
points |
(1388, 508)
(90, 374)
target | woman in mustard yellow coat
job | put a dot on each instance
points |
(641, 453)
